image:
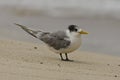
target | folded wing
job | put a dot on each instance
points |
(57, 40)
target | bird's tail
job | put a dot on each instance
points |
(31, 32)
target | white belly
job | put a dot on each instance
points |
(75, 44)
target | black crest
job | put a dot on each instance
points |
(72, 28)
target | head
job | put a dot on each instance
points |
(75, 30)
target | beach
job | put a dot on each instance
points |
(22, 57)
(30, 61)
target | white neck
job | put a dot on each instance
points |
(73, 35)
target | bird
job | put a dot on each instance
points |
(60, 42)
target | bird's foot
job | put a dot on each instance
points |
(67, 60)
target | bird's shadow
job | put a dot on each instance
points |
(82, 62)
(77, 62)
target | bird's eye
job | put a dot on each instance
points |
(75, 29)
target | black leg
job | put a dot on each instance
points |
(66, 57)
(61, 56)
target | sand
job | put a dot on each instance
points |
(33, 61)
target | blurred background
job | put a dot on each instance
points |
(101, 18)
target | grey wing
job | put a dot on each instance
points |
(56, 40)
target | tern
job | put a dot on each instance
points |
(60, 42)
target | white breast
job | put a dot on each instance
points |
(75, 44)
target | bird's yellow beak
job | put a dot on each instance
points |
(83, 32)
